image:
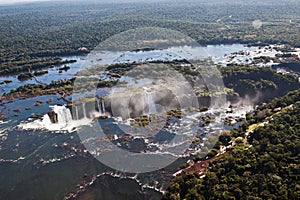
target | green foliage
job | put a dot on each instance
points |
(36, 35)
(186, 186)
(267, 169)
(258, 83)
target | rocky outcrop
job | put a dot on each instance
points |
(53, 117)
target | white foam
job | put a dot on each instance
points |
(65, 121)
(2, 122)
(248, 56)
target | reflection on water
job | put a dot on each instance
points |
(186, 52)
(52, 75)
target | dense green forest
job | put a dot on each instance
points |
(265, 166)
(32, 35)
(256, 82)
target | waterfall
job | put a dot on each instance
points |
(148, 99)
(76, 113)
(103, 106)
(99, 106)
(151, 104)
(84, 110)
(64, 115)
(62, 118)
(145, 100)
(46, 120)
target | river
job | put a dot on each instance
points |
(42, 164)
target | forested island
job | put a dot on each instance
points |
(240, 81)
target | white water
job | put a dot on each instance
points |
(148, 99)
(84, 110)
(77, 114)
(172, 53)
(248, 55)
(151, 104)
(64, 115)
(46, 120)
(65, 121)
(101, 107)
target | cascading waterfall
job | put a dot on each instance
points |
(148, 99)
(76, 113)
(151, 104)
(61, 116)
(84, 110)
(64, 115)
(145, 101)
(46, 120)
(99, 106)
(103, 106)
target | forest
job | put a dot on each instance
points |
(36, 35)
(265, 166)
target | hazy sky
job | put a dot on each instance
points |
(17, 1)
(2, 2)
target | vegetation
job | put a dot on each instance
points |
(15, 67)
(264, 167)
(60, 87)
(34, 36)
(263, 163)
(239, 80)
(255, 82)
(258, 84)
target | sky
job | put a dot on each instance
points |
(3, 2)
(17, 1)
